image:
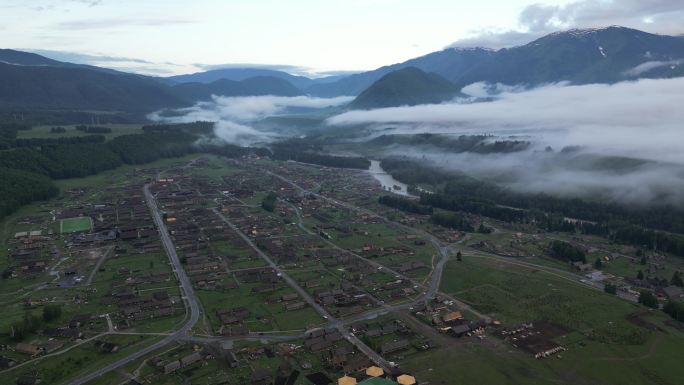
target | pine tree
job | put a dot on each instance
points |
(598, 263)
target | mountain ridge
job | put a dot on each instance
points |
(578, 56)
(574, 55)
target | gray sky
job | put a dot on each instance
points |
(176, 36)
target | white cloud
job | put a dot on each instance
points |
(537, 20)
(233, 115)
(650, 66)
(642, 117)
(483, 89)
(639, 119)
(251, 108)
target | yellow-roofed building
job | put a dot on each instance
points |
(405, 379)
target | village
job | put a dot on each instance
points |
(299, 274)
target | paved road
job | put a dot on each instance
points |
(334, 323)
(99, 262)
(187, 291)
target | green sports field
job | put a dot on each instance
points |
(75, 225)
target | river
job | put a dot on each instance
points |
(386, 180)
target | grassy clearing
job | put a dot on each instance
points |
(516, 294)
(267, 312)
(82, 359)
(75, 225)
(591, 363)
(605, 348)
(43, 132)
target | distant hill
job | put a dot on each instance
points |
(239, 74)
(10, 56)
(47, 87)
(408, 86)
(448, 63)
(31, 81)
(201, 91)
(582, 56)
(256, 86)
(271, 85)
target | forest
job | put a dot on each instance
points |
(659, 228)
(29, 165)
(19, 188)
(93, 129)
(306, 151)
(405, 204)
(452, 221)
(567, 252)
(480, 144)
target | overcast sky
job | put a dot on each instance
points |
(179, 36)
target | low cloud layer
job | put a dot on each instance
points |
(233, 115)
(641, 119)
(536, 20)
(576, 174)
(652, 65)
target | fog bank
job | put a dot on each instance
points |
(233, 116)
(612, 129)
(638, 119)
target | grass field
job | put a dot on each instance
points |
(513, 294)
(75, 225)
(267, 314)
(43, 132)
(603, 348)
(79, 360)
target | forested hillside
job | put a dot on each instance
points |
(20, 187)
(652, 227)
(28, 166)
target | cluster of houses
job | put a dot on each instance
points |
(440, 313)
(121, 219)
(168, 366)
(193, 229)
(401, 336)
(333, 350)
(135, 307)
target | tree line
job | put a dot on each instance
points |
(308, 151)
(481, 144)
(405, 204)
(93, 129)
(19, 188)
(567, 252)
(28, 169)
(452, 221)
(37, 142)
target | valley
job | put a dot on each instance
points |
(341, 193)
(245, 290)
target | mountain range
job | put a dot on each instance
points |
(579, 56)
(605, 55)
